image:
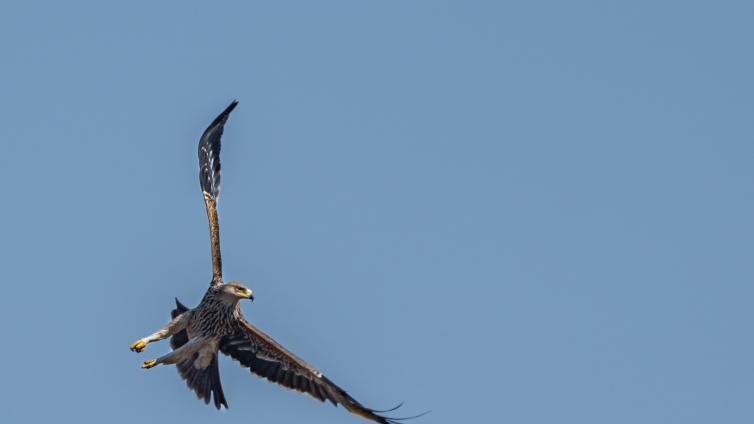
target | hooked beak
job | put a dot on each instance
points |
(250, 296)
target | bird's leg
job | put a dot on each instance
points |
(177, 324)
(178, 355)
(205, 355)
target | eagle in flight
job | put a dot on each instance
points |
(217, 324)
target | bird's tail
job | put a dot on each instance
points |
(204, 382)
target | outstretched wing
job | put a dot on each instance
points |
(267, 358)
(206, 382)
(209, 179)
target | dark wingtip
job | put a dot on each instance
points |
(392, 420)
(382, 411)
(376, 415)
(222, 117)
(397, 420)
(230, 108)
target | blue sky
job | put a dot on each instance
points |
(519, 213)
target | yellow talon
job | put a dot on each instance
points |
(138, 345)
(149, 364)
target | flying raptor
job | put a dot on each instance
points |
(217, 324)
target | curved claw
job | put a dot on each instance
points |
(149, 364)
(138, 346)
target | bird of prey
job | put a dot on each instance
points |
(217, 325)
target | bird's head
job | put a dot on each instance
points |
(233, 292)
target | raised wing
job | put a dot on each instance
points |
(209, 179)
(205, 382)
(267, 358)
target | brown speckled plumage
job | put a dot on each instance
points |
(213, 317)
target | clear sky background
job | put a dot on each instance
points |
(506, 213)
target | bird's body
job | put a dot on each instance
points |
(213, 318)
(207, 324)
(217, 324)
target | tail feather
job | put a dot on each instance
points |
(205, 382)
